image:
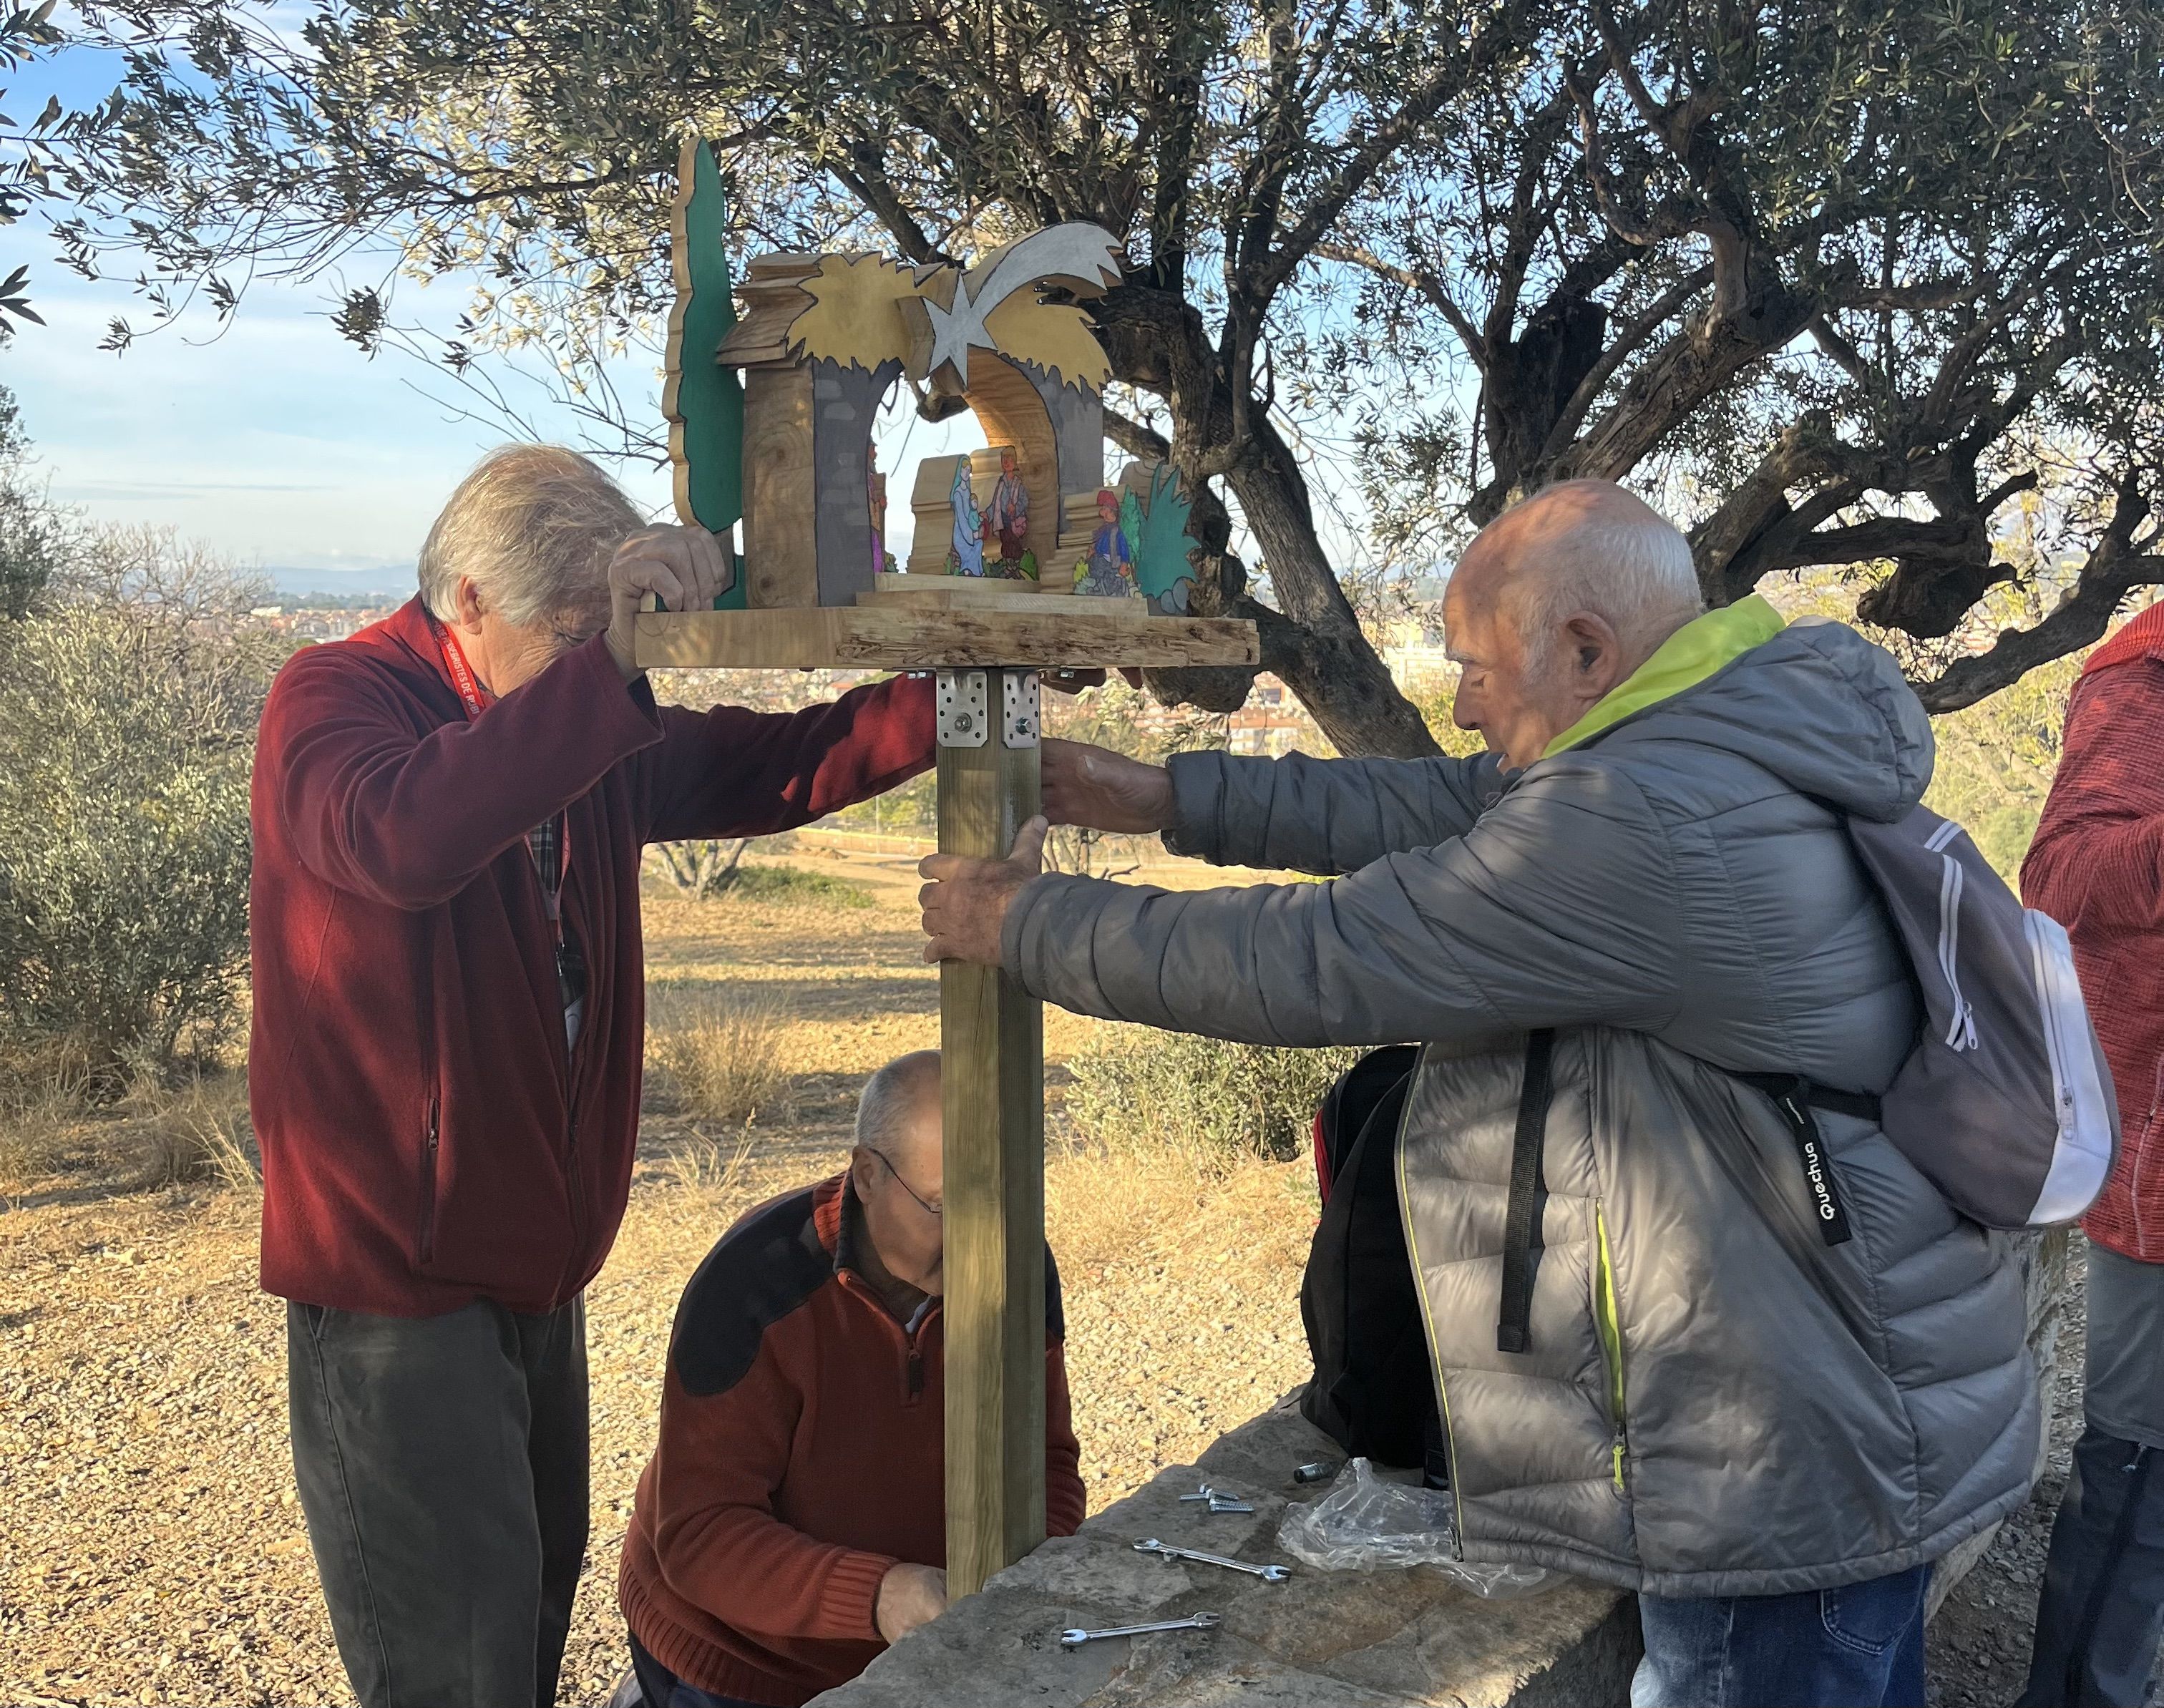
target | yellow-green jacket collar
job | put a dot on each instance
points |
(1685, 658)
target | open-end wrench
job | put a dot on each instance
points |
(1194, 1622)
(1268, 1574)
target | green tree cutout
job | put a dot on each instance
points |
(1158, 539)
(704, 400)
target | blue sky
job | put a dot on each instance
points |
(272, 439)
(276, 441)
(283, 445)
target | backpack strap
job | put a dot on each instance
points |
(1514, 1321)
(1793, 1094)
(1795, 1097)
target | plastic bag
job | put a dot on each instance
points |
(1364, 1524)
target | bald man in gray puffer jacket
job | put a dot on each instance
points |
(1770, 1438)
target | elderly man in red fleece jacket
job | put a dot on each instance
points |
(449, 810)
(792, 1521)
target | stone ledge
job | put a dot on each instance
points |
(1372, 1640)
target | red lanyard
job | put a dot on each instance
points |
(477, 700)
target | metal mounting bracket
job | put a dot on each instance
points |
(964, 711)
(1018, 707)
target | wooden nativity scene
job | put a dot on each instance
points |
(1022, 552)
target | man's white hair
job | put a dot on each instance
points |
(892, 1095)
(535, 527)
(1627, 563)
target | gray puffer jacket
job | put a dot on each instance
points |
(1715, 1402)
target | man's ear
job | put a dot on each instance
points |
(1595, 652)
(860, 1170)
(467, 601)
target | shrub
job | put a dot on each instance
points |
(792, 886)
(125, 734)
(1209, 1100)
(702, 867)
(723, 1058)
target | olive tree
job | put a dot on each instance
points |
(1835, 280)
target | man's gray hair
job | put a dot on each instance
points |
(1630, 565)
(892, 1094)
(535, 526)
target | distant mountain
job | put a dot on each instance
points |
(394, 582)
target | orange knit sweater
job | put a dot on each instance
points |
(802, 1432)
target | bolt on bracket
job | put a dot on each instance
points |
(1019, 710)
(964, 711)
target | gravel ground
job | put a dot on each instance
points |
(152, 1551)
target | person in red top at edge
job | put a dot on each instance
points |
(448, 811)
(2097, 866)
(792, 1521)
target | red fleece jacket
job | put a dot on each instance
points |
(427, 1139)
(803, 1432)
(2097, 866)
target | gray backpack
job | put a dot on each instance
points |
(2006, 1103)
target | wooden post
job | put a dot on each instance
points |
(992, 1040)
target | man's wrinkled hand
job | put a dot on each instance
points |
(683, 567)
(909, 1595)
(1100, 790)
(965, 901)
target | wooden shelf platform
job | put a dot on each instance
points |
(920, 635)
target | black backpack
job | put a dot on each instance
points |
(1374, 1392)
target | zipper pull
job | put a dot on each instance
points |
(915, 1373)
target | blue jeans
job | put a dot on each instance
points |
(1861, 1645)
(650, 1685)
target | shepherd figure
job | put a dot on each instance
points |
(1109, 570)
(1008, 518)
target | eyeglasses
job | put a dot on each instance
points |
(928, 1209)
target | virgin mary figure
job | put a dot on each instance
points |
(966, 556)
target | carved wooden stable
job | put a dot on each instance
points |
(1094, 577)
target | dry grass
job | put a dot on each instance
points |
(35, 1136)
(199, 1132)
(723, 1057)
(708, 1171)
(45, 1100)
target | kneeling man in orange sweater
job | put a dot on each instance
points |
(792, 1521)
